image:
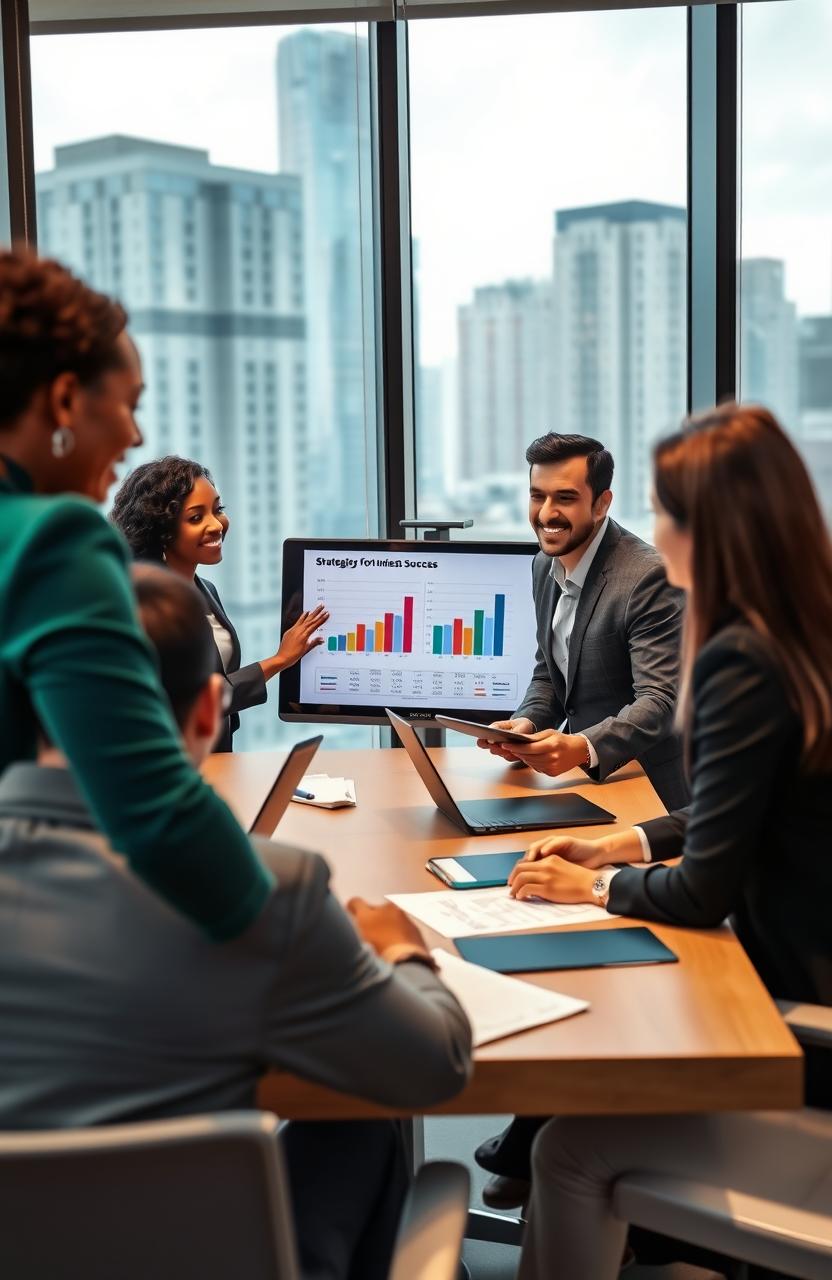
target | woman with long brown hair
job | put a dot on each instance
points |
(740, 530)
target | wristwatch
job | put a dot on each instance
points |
(601, 887)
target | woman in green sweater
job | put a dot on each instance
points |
(72, 655)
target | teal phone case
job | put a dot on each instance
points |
(490, 870)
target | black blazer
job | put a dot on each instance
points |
(248, 684)
(623, 662)
(756, 835)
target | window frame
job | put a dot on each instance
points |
(713, 107)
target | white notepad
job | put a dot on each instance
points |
(499, 1006)
(464, 913)
(329, 793)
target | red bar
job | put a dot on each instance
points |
(360, 636)
(457, 643)
(407, 635)
(388, 633)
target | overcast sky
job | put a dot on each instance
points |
(511, 118)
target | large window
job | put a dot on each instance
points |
(218, 182)
(548, 183)
(786, 227)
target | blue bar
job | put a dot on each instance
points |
(447, 639)
(342, 644)
(499, 624)
(398, 633)
(369, 640)
(488, 638)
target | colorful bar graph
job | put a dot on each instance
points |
(482, 638)
(391, 634)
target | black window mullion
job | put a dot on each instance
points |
(395, 309)
(17, 86)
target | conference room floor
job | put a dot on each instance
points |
(454, 1138)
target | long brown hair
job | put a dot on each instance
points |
(761, 549)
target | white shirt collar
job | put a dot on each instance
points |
(578, 575)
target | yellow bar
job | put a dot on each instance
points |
(467, 639)
(379, 636)
(350, 642)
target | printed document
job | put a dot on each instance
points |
(465, 913)
(500, 1006)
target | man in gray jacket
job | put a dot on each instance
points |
(114, 1008)
(603, 690)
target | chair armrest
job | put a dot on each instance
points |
(810, 1023)
(429, 1242)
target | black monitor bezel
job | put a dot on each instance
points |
(290, 708)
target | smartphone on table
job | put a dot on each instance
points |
(475, 870)
(486, 731)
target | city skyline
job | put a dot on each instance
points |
(621, 74)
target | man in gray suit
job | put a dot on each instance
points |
(603, 690)
(114, 1008)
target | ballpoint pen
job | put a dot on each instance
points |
(304, 795)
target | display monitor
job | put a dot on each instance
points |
(421, 627)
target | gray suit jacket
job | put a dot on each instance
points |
(114, 1008)
(623, 663)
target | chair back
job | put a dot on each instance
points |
(200, 1196)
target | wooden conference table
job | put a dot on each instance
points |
(700, 1035)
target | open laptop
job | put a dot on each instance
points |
(276, 802)
(484, 817)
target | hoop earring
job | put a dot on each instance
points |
(63, 442)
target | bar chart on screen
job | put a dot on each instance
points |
(424, 629)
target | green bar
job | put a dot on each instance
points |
(479, 617)
(437, 639)
(332, 643)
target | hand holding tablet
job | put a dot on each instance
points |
(484, 732)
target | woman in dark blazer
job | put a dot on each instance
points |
(740, 529)
(170, 511)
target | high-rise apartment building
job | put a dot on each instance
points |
(620, 333)
(815, 386)
(768, 352)
(505, 362)
(209, 263)
(324, 139)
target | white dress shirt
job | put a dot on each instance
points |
(571, 585)
(222, 639)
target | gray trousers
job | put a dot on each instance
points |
(572, 1233)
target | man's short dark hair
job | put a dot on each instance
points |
(554, 447)
(172, 613)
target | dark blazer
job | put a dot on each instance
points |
(755, 838)
(623, 662)
(248, 684)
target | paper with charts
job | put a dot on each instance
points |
(499, 1006)
(464, 913)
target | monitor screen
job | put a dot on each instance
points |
(421, 627)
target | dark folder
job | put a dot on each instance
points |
(577, 949)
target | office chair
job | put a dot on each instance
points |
(202, 1196)
(792, 1236)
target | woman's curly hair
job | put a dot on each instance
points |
(50, 323)
(149, 503)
